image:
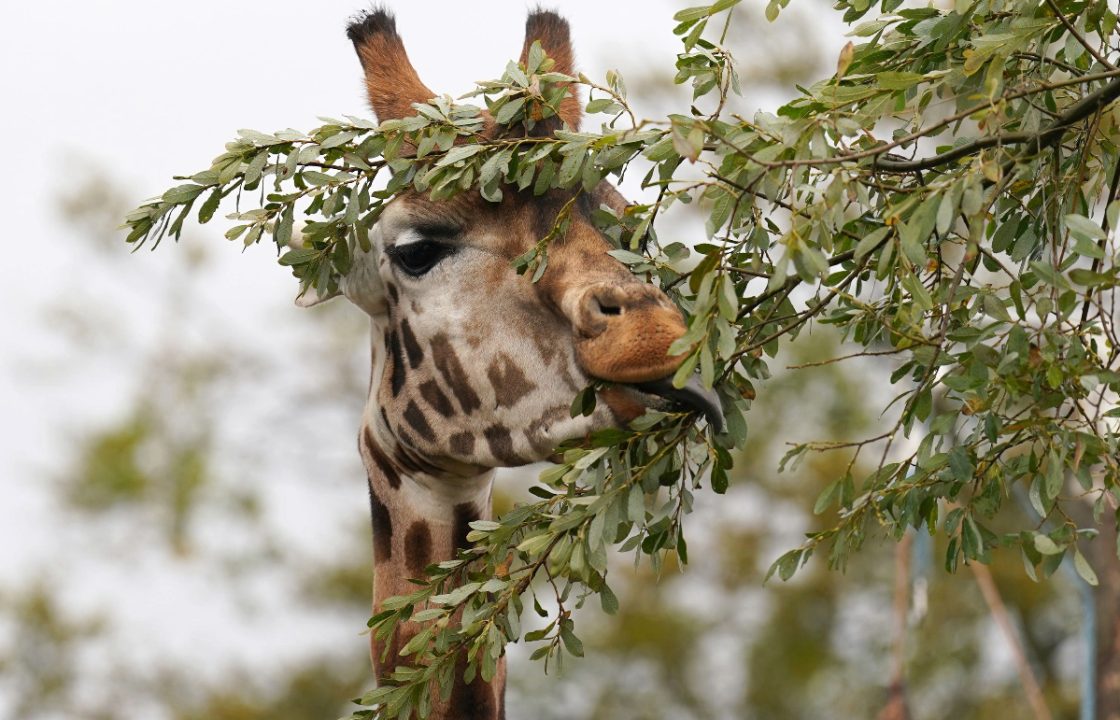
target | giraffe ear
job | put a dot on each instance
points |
(391, 82)
(552, 32)
(362, 286)
(359, 287)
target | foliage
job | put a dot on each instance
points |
(983, 260)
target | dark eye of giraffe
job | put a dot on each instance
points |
(417, 258)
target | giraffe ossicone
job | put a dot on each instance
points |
(475, 366)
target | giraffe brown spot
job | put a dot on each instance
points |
(435, 397)
(553, 354)
(447, 362)
(509, 382)
(471, 701)
(414, 416)
(501, 444)
(394, 295)
(382, 528)
(465, 514)
(398, 362)
(418, 547)
(411, 347)
(383, 465)
(462, 444)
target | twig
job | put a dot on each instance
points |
(841, 358)
(925, 132)
(999, 613)
(1080, 38)
(807, 315)
(1041, 140)
(1042, 59)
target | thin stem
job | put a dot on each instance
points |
(1080, 38)
(1039, 140)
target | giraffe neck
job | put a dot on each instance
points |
(419, 520)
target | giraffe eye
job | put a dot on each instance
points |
(417, 258)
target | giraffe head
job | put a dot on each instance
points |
(476, 366)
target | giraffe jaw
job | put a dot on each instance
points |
(693, 396)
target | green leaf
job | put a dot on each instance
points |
(1045, 545)
(1084, 227)
(183, 193)
(300, 256)
(509, 110)
(608, 600)
(571, 643)
(1083, 568)
(458, 154)
(825, 497)
(458, 595)
(1049, 275)
(206, 212)
(898, 80)
(871, 241)
(691, 14)
(339, 139)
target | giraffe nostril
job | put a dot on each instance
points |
(606, 307)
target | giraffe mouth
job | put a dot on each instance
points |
(693, 396)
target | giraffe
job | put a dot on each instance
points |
(474, 366)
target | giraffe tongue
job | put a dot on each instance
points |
(693, 396)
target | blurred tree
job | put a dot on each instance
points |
(39, 669)
(156, 479)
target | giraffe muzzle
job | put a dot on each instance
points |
(624, 330)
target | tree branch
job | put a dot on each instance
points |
(999, 613)
(1080, 38)
(1039, 141)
